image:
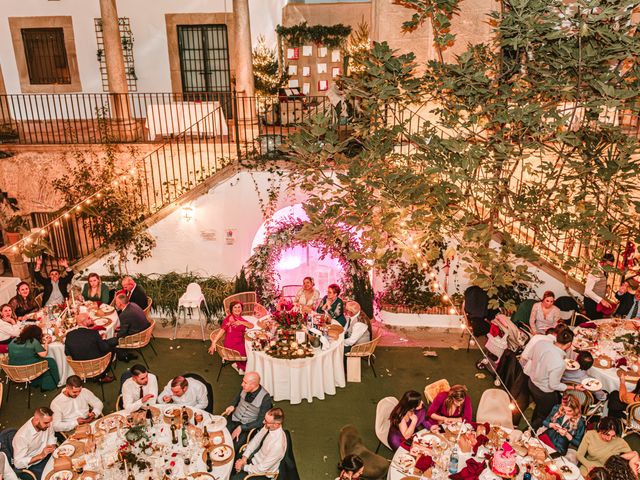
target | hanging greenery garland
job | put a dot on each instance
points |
(331, 36)
(283, 234)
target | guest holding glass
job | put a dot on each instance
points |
(9, 327)
(31, 347)
(406, 418)
(94, 290)
(449, 407)
(332, 305)
(565, 427)
(308, 296)
(234, 325)
(544, 314)
(24, 302)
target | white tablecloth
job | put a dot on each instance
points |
(176, 117)
(8, 288)
(164, 436)
(304, 378)
(56, 350)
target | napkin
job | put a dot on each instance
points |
(495, 331)
(325, 343)
(588, 325)
(471, 472)
(405, 446)
(424, 463)
(621, 361)
(480, 440)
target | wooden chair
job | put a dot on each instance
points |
(585, 397)
(366, 350)
(290, 291)
(227, 355)
(147, 312)
(433, 389)
(578, 318)
(250, 305)
(632, 423)
(39, 299)
(91, 368)
(138, 341)
(24, 374)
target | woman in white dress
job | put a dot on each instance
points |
(308, 296)
(544, 314)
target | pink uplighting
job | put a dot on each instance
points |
(298, 262)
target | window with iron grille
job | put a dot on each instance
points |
(46, 56)
(126, 38)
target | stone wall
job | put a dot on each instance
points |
(470, 27)
(27, 175)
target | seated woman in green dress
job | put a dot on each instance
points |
(30, 347)
(94, 290)
(332, 305)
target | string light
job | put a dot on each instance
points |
(445, 298)
(43, 232)
(66, 215)
(56, 223)
(78, 208)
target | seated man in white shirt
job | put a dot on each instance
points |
(266, 449)
(35, 442)
(74, 406)
(139, 390)
(357, 330)
(185, 391)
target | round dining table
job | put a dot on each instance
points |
(440, 446)
(300, 378)
(607, 376)
(109, 321)
(152, 455)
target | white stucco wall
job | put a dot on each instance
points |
(183, 245)
(148, 26)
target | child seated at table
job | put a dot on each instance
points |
(585, 360)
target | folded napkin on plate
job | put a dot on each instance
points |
(424, 463)
(471, 472)
(588, 325)
(621, 361)
(480, 440)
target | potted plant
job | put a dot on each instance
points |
(13, 228)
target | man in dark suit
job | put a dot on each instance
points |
(84, 343)
(56, 285)
(476, 306)
(135, 293)
(625, 297)
(132, 320)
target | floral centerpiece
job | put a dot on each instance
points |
(287, 320)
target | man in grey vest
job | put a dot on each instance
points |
(248, 408)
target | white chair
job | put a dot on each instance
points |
(383, 424)
(191, 299)
(494, 408)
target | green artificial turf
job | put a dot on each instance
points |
(314, 426)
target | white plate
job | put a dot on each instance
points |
(221, 453)
(405, 463)
(217, 422)
(567, 470)
(592, 384)
(61, 475)
(580, 344)
(174, 412)
(424, 437)
(64, 450)
(101, 322)
(571, 364)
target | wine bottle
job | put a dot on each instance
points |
(185, 440)
(185, 416)
(174, 438)
(209, 462)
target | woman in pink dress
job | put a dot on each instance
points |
(234, 326)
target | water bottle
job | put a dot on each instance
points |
(453, 461)
(527, 474)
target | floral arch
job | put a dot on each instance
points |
(282, 234)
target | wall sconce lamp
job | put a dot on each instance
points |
(187, 213)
